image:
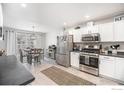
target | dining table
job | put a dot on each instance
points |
(34, 53)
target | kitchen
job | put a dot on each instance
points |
(92, 46)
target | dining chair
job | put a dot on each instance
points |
(22, 55)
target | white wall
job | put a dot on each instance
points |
(2, 44)
(51, 37)
(27, 26)
(24, 25)
(1, 16)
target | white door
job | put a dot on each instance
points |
(75, 59)
(119, 69)
(119, 31)
(106, 32)
(107, 66)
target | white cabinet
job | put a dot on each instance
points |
(119, 30)
(106, 32)
(112, 67)
(119, 69)
(74, 59)
(107, 66)
(77, 35)
(70, 31)
(93, 29)
(1, 16)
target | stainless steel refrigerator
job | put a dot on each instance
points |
(64, 46)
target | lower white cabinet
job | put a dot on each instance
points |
(119, 69)
(112, 67)
(74, 59)
(107, 66)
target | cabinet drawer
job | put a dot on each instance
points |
(106, 58)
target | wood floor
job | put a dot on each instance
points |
(41, 79)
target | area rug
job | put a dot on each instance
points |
(62, 77)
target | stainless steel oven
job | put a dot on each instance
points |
(89, 62)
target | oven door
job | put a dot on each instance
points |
(93, 61)
(84, 59)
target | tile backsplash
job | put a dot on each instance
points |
(106, 44)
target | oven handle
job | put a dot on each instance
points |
(94, 56)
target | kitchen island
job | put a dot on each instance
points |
(13, 72)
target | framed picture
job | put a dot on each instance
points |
(0, 31)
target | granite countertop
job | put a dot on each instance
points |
(113, 55)
(75, 51)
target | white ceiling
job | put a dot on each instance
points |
(55, 14)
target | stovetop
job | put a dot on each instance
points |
(96, 51)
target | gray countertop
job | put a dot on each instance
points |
(112, 55)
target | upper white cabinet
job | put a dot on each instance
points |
(119, 30)
(106, 32)
(1, 16)
(93, 29)
(77, 35)
(70, 31)
(75, 59)
(113, 31)
(84, 30)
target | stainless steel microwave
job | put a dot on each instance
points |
(91, 37)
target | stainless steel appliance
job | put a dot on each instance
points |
(94, 37)
(64, 46)
(51, 52)
(89, 62)
(89, 58)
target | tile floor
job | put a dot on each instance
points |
(41, 79)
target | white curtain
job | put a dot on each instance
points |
(11, 44)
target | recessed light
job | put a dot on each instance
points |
(87, 16)
(65, 23)
(24, 5)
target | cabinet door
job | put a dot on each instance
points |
(107, 66)
(119, 31)
(77, 35)
(93, 29)
(70, 31)
(75, 59)
(119, 69)
(84, 30)
(106, 32)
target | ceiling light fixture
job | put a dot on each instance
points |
(24, 5)
(65, 23)
(87, 16)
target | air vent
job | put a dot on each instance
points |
(78, 27)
